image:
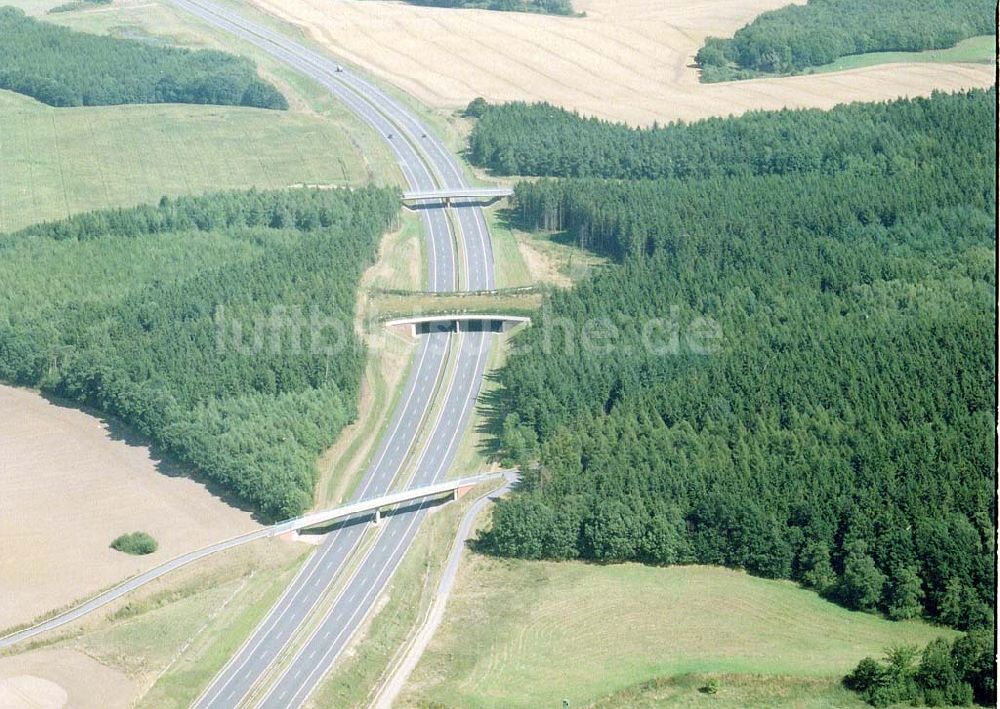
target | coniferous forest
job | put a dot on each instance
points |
(221, 327)
(61, 67)
(788, 368)
(821, 31)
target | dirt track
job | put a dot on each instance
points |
(628, 60)
(68, 486)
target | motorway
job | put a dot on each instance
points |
(462, 260)
(362, 509)
(402, 668)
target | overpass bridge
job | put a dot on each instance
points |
(416, 198)
(377, 504)
(461, 322)
(374, 505)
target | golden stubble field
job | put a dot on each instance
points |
(68, 486)
(628, 60)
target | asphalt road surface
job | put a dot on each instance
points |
(426, 164)
(342, 512)
(401, 672)
(130, 585)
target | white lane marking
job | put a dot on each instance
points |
(449, 163)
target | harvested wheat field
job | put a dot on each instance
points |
(69, 484)
(56, 678)
(628, 60)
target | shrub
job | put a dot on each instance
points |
(135, 543)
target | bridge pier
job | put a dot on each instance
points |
(374, 506)
(487, 194)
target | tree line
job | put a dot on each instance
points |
(799, 36)
(942, 674)
(61, 67)
(548, 7)
(853, 380)
(74, 5)
(221, 327)
(542, 140)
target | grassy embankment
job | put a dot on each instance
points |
(177, 644)
(529, 634)
(401, 609)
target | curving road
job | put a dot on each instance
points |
(393, 685)
(455, 260)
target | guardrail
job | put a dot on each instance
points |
(458, 192)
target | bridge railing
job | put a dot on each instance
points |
(507, 321)
(378, 503)
(131, 584)
(417, 198)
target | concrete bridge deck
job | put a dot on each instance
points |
(466, 321)
(331, 515)
(376, 504)
(488, 194)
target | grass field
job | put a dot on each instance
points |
(411, 591)
(735, 692)
(534, 259)
(59, 161)
(627, 60)
(975, 50)
(160, 644)
(217, 620)
(529, 634)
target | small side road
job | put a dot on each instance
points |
(398, 675)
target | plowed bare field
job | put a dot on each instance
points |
(69, 484)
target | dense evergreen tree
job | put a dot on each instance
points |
(905, 593)
(541, 140)
(78, 5)
(817, 33)
(219, 326)
(853, 380)
(61, 67)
